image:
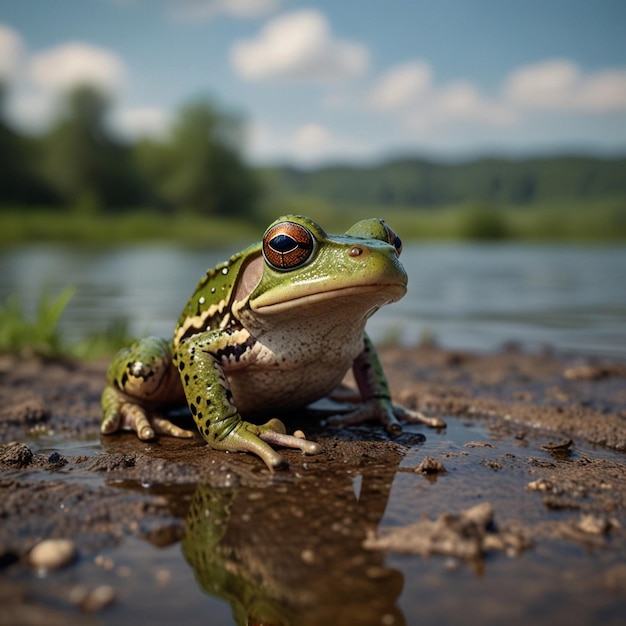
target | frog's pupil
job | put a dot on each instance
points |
(283, 243)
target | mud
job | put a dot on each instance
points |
(524, 491)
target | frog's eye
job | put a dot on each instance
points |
(393, 239)
(287, 245)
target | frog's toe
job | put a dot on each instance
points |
(246, 438)
(274, 432)
(110, 424)
(163, 426)
(291, 441)
(257, 439)
(415, 417)
(386, 414)
(372, 411)
(133, 417)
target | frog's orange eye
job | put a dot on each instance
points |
(287, 245)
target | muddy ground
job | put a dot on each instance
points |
(542, 489)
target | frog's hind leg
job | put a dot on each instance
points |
(377, 405)
(140, 378)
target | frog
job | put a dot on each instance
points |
(273, 329)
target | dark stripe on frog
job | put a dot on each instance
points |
(236, 350)
(212, 323)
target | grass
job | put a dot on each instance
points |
(571, 222)
(581, 221)
(39, 225)
(41, 336)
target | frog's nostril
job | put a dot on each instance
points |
(356, 251)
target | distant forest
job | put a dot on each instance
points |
(78, 164)
(425, 184)
(198, 169)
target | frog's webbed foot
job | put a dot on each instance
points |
(247, 437)
(385, 413)
(121, 413)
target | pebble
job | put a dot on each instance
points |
(307, 556)
(429, 465)
(92, 600)
(594, 525)
(52, 554)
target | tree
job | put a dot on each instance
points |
(200, 168)
(18, 181)
(82, 160)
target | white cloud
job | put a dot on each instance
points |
(44, 75)
(402, 86)
(409, 93)
(306, 144)
(604, 91)
(298, 46)
(142, 122)
(542, 85)
(462, 101)
(195, 10)
(560, 85)
(74, 63)
(10, 52)
(312, 138)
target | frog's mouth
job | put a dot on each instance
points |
(358, 296)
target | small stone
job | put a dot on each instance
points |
(56, 459)
(92, 600)
(593, 525)
(52, 554)
(429, 465)
(99, 598)
(105, 562)
(541, 484)
(586, 372)
(559, 446)
(308, 556)
(163, 577)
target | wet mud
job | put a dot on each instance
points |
(515, 511)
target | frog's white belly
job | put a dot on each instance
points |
(312, 370)
(260, 391)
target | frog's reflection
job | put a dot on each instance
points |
(291, 553)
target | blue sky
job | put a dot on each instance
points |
(327, 80)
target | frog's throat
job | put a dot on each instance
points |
(376, 295)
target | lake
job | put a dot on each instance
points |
(465, 296)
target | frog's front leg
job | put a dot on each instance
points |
(141, 378)
(210, 400)
(377, 405)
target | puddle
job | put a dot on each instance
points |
(51, 443)
(291, 551)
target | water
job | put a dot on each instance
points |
(475, 297)
(241, 555)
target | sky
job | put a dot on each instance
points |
(335, 80)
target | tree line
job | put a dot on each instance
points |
(79, 164)
(426, 184)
